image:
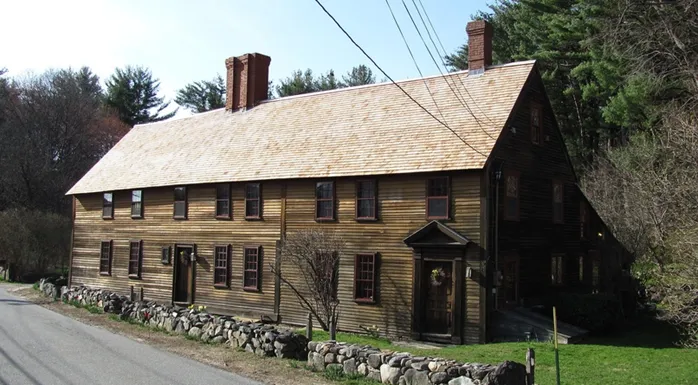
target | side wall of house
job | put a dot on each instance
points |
(535, 237)
(401, 211)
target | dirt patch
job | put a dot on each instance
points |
(267, 370)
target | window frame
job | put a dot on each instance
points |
(557, 274)
(536, 136)
(374, 198)
(139, 213)
(584, 222)
(185, 201)
(258, 199)
(558, 207)
(139, 261)
(516, 215)
(447, 198)
(111, 205)
(332, 200)
(373, 280)
(245, 270)
(229, 213)
(109, 257)
(216, 268)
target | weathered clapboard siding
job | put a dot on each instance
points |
(401, 208)
(158, 229)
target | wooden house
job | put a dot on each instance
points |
(445, 221)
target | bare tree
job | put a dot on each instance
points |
(310, 268)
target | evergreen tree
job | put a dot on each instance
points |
(359, 76)
(133, 93)
(327, 82)
(298, 83)
(203, 95)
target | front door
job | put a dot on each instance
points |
(183, 285)
(438, 297)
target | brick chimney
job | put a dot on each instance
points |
(479, 46)
(247, 80)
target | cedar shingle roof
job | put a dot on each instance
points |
(367, 130)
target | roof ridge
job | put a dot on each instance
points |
(403, 81)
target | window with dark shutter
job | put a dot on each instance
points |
(137, 204)
(223, 201)
(105, 256)
(558, 202)
(324, 201)
(253, 201)
(135, 259)
(221, 270)
(556, 269)
(511, 196)
(365, 278)
(438, 198)
(180, 202)
(251, 273)
(366, 200)
(536, 124)
(108, 205)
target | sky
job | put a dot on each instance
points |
(183, 41)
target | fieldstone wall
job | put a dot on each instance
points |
(406, 369)
(51, 287)
(254, 337)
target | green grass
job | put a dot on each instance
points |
(90, 308)
(643, 355)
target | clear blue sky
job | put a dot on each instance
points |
(183, 41)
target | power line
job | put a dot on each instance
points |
(391, 79)
(426, 84)
(462, 101)
(443, 49)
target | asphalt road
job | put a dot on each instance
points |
(38, 346)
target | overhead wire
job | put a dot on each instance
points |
(443, 49)
(404, 39)
(391, 79)
(457, 93)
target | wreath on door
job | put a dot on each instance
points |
(184, 257)
(438, 277)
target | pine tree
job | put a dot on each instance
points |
(203, 95)
(359, 76)
(133, 93)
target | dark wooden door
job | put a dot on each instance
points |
(183, 274)
(438, 297)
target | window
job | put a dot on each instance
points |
(251, 274)
(595, 269)
(556, 269)
(511, 196)
(105, 258)
(536, 124)
(180, 203)
(223, 200)
(365, 278)
(366, 200)
(324, 201)
(221, 272)
(135, 259)
(583, 220)
(108, 205)
(137, 204)
(437, 198)
(558, 202)
(165, 255)
(253, 201)
(581, 268)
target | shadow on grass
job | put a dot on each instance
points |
(644, 331)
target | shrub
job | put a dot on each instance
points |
(594, 312)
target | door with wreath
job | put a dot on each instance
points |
(438, 286)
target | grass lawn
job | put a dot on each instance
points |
(642, 354)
